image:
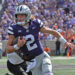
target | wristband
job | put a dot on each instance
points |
(61, 39)
(16, 47)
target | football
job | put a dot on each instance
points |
(16, 40)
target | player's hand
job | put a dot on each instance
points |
(70, 45)
(21, 41)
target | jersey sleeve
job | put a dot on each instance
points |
(40, 23)
(10, 30)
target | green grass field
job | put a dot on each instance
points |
(63, 70)
(56, 71)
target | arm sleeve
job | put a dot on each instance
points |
(10, 30)
(40, 24)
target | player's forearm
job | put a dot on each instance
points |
(51, 31)
(54, 33)
(11, 49)
(58, 36)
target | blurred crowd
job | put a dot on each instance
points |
(56, 14)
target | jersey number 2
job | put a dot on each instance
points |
(31, 41)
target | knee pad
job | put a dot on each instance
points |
(46, 65)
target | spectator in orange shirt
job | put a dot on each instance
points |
(47, 49)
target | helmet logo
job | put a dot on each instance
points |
(18, 9)
(21, 8)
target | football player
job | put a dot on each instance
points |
(30, 44)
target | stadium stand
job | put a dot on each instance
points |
(56, 14)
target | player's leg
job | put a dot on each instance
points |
(15, 69)
(43, 65)
(24, 66)
(36, 71)
(38, 68)
(29, 73)
(46, 65)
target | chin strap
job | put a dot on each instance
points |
(20, 23)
